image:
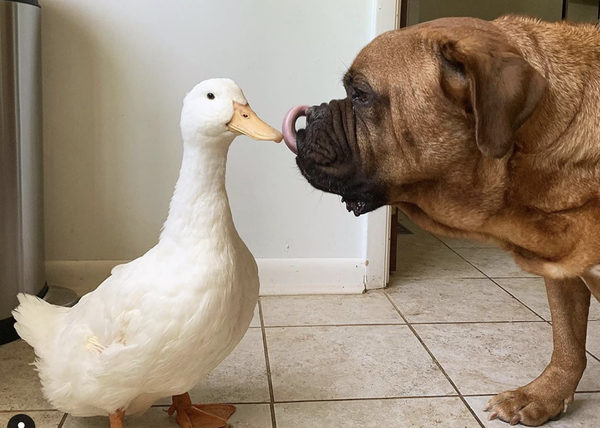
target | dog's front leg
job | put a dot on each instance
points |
(547, 396)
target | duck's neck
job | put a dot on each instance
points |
(199, 208)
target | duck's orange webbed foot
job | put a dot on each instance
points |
(200, 415)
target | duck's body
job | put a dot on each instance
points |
(161, 323)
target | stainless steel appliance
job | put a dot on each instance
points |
(21, 178)
(21, 200)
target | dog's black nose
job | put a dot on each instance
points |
(310, 113)
(316, 112)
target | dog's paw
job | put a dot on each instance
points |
(531, 408)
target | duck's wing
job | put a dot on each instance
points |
(136, 312)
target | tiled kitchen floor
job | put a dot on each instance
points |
(459, 323)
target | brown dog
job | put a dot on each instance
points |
(489, 131)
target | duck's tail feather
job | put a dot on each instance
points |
(37, 321)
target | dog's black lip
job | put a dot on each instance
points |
(354, 202)
(359, 207)
(353, 206)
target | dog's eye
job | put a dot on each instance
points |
(359, 96)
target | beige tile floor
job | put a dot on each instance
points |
(459, 323)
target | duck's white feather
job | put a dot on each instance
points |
(162, 322)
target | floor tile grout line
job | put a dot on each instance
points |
(478, 322)
(490, 278)
(517, 299)
(243, 403)
(63, 420)
(400, 397)
(592, 355)
(493, 394)
(403, 324)
(333, 325)
(408, 324)
(268, 364)
(472, 410)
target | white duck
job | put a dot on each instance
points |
(162, 322)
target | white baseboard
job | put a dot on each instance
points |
(311, 276)
(277, 276)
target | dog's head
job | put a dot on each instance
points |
(422, 104)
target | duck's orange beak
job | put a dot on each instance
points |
(245, 121)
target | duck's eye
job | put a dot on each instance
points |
(210, 96)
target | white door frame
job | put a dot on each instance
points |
(377, 263)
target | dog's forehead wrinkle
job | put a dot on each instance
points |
(357, 79)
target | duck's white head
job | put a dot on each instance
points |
(216, 111)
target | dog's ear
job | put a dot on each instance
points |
(494, 81)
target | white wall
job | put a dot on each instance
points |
(115, 73)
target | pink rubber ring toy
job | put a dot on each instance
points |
(288, 127)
